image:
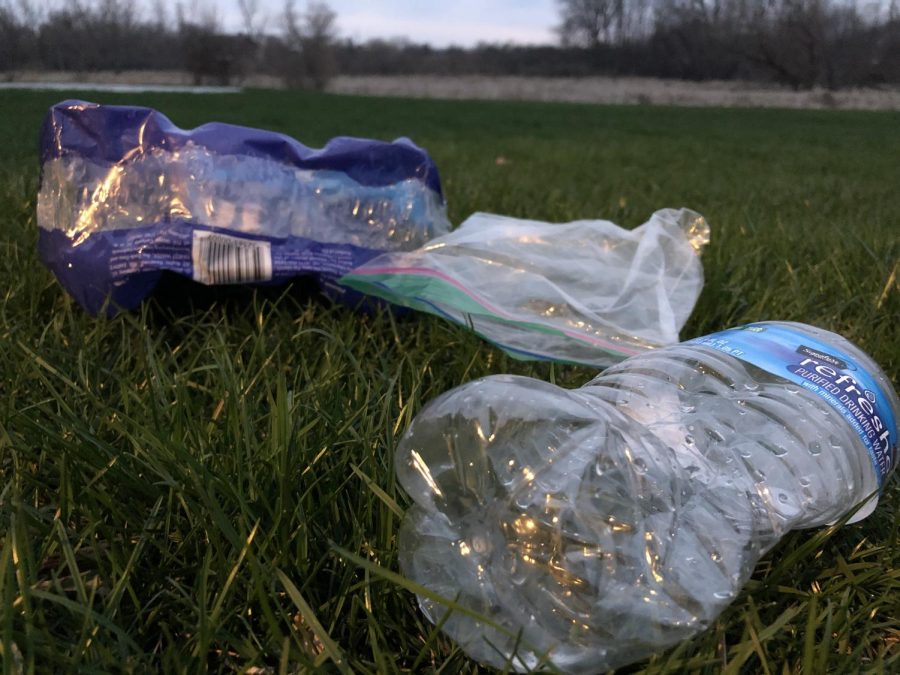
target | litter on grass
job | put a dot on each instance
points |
(584, 292)
(126, 195)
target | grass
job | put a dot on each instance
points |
(207, 483)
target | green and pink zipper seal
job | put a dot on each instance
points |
(434, 292)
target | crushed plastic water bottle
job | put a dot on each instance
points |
(126, 195)
(585, 292)
(593, 527)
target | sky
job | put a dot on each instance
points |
(440, 23)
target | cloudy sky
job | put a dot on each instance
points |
(439, 23)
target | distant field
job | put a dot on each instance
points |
(176, 482)
(617, 91)
(602, 90)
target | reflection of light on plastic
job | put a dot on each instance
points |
(523, 525)
(616, 526)
(479, 432)
(420, 466)
(177, 207)
(696, 229)
(109, 186)
(652, 559)
(528, 473)
(464, 548)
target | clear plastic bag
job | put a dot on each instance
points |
(585, 292)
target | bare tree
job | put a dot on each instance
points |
(210, 54)
(13, 39)
(113, 23)
(32, 14)
(590, 23)
(160, 15)
(254, 22)
(318, 46)
(788, 37)
(310, 60)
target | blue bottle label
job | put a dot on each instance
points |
(824, 370)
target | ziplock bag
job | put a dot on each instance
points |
(584, 292)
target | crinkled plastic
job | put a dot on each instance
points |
(593, 527)
(586, 292)
(126, 195)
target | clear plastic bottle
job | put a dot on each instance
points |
(593, 527)
(250, 195)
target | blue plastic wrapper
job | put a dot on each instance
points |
(126, 196)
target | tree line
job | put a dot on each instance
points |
(799, 43)
(115, 35)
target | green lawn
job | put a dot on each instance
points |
(181, 486)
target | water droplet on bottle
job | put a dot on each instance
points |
(689, 440)
(815, 448)
(517, 576)
(479, 544)
(776, 450)
(751, 386)
(686, 408)
(715, 556)
(715, 435)
(640, 465)
(783, 498)
(722, 595)
(804, 481)
(603, 464)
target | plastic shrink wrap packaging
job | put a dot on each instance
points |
(126, 195)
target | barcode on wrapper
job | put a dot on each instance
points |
(220, 259)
